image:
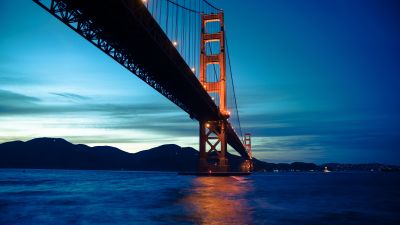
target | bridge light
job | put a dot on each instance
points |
(144, 1)
(174, 43)
(193, 69)
(207, 125)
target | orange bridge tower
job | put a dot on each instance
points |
(247, 165)
(213, 140)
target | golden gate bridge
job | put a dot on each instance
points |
(179, 48)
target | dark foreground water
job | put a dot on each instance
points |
(104, 197)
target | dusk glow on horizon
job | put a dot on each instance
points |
(316, 82)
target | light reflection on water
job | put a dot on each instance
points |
(219, 200)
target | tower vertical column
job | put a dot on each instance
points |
(202, 150)
(213, 141)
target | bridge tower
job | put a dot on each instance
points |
(247, 143)
(213, 139)
(247, 166)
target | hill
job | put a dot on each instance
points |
(56, 153)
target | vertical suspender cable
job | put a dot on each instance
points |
(161, 9)
(177, 26)
(233, 84)
(156, 10)
(189, 41)
(166, 23)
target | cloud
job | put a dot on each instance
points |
(11, 102)
(70, 96)
(162, 118)
(14, 78)
(17, 103)
(9, 97)
(295, 135)
(173, 124)
(325, 135)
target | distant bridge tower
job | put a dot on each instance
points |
(213, 138)
(247, 166)
(247, 144)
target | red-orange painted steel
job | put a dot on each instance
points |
(213, 137)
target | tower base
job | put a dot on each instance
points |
(247, 166)
(213, 147)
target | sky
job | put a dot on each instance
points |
(316, 81)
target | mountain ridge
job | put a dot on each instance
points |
(58, 153)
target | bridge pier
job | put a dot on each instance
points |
(213, 156)
(247, 166)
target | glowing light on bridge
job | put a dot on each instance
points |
(175, 43)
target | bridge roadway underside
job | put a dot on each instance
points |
(127, 26)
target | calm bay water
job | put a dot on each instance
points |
(111, 197)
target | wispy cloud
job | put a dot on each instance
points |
(17, 103)
(9, 97)
(157, 119)
(70, 96)
(300, 135)
(325, 135)
(11, 102)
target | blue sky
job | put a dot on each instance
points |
(316, 81)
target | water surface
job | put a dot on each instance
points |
(113, 197)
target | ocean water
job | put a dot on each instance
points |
(123, 197)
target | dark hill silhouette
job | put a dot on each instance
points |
(56, 153)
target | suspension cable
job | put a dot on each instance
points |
(212, 6)
(184, 7)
